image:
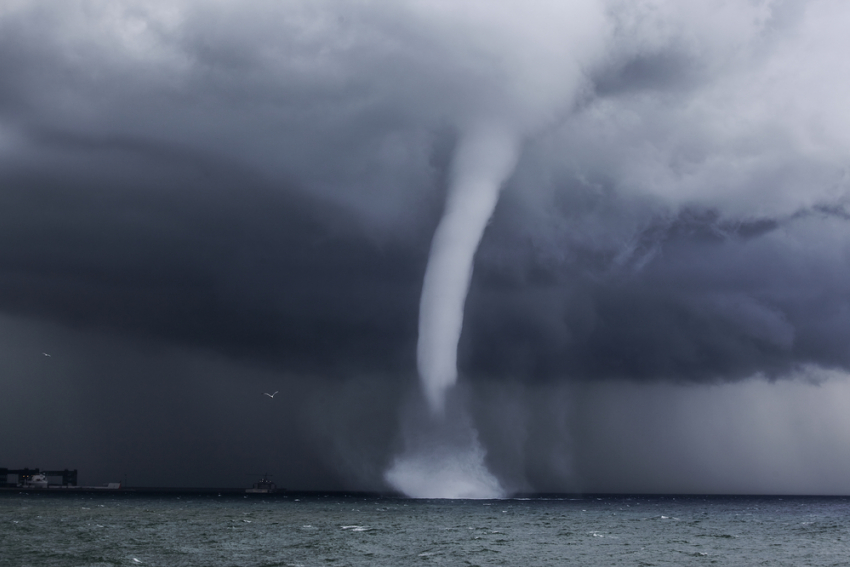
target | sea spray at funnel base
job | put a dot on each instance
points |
(445, 473)
(442, 456)
(485, 157)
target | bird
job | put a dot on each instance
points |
(270, 395)
(45, 354)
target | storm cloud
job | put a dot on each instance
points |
(255, 186)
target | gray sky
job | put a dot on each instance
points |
(200, 202)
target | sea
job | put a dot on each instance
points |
(291, 529)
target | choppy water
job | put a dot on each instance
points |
(169, 530)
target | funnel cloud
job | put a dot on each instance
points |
(483, 160)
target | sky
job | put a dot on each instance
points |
(204, 201)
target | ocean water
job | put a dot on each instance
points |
(38, 530)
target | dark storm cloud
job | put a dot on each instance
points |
(258, 187)
(146, 241)
(700, 299)
(268, 186)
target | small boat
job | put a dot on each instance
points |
(35, 481)
(264, 486)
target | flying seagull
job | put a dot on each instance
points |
(45, 354)
(270, 395)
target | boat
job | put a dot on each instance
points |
(35, 481)
(264, 486)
